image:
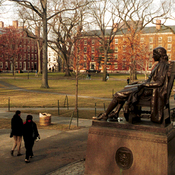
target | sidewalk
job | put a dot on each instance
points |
(75, 168)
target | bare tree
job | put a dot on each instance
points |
(41, 10)
(135, 15)
(31, 23)
(106, 22)
(64, 29)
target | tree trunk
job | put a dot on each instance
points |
(105, 66)
(76, 93)
(146, 68)
(44, 69)
(39, 57)
(67, 71)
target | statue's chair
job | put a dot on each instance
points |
(135, 112)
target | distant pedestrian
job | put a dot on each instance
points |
(89, 76)
(30, 134)
(36, 73)
(16, 132)
(128, 80)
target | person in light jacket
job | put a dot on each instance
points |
(16, 132)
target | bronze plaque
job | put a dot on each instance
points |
(124, 158)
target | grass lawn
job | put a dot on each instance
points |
(63, 85)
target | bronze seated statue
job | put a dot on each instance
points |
(153, 93)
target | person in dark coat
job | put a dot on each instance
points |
(30, 134)
(155, 87)
(16, 132)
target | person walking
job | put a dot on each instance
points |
(128, 80)
(30, 134)
(16, 132)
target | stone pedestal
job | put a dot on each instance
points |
(126, 149)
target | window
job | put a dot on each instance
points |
(115, 66)
(32, 65)
(124, 48)
(85, 65)
(85, 49)
(123, 65)
(116, 49)
(85, 57)
(169, 38)
(16, 65)
(28, 56)
(28, 65)
(169, 56)
(93, 50)
(35, 56)
(92, 66)
(6, 65)
(159, 39)
(1, 65)
(92, 59)
(28, 48)
(32, 57)
(20, 65)
(93, 42)
(116, 41)
(141, 40)
(150, 48)
(100, 67)
(151, 39)
(85, 42)
(169, 47)
(116, 56)
(24, 56)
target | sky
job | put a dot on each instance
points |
(8, 13)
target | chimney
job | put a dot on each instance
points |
(15, 24)
(158, 24)
(1, 24)
(37, 31)
(115, 27)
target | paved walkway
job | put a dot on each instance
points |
(75, 168)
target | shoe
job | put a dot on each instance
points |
(12, 152)
(27, 161)
(100, 117)
(19, 154)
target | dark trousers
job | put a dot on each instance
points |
(29, 145)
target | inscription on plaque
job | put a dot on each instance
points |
(124, 158)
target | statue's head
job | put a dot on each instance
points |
(159, 53)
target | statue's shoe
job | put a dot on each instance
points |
(100, 117)
(114, 119)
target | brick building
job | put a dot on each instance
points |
(27, 59)
(87, 48)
